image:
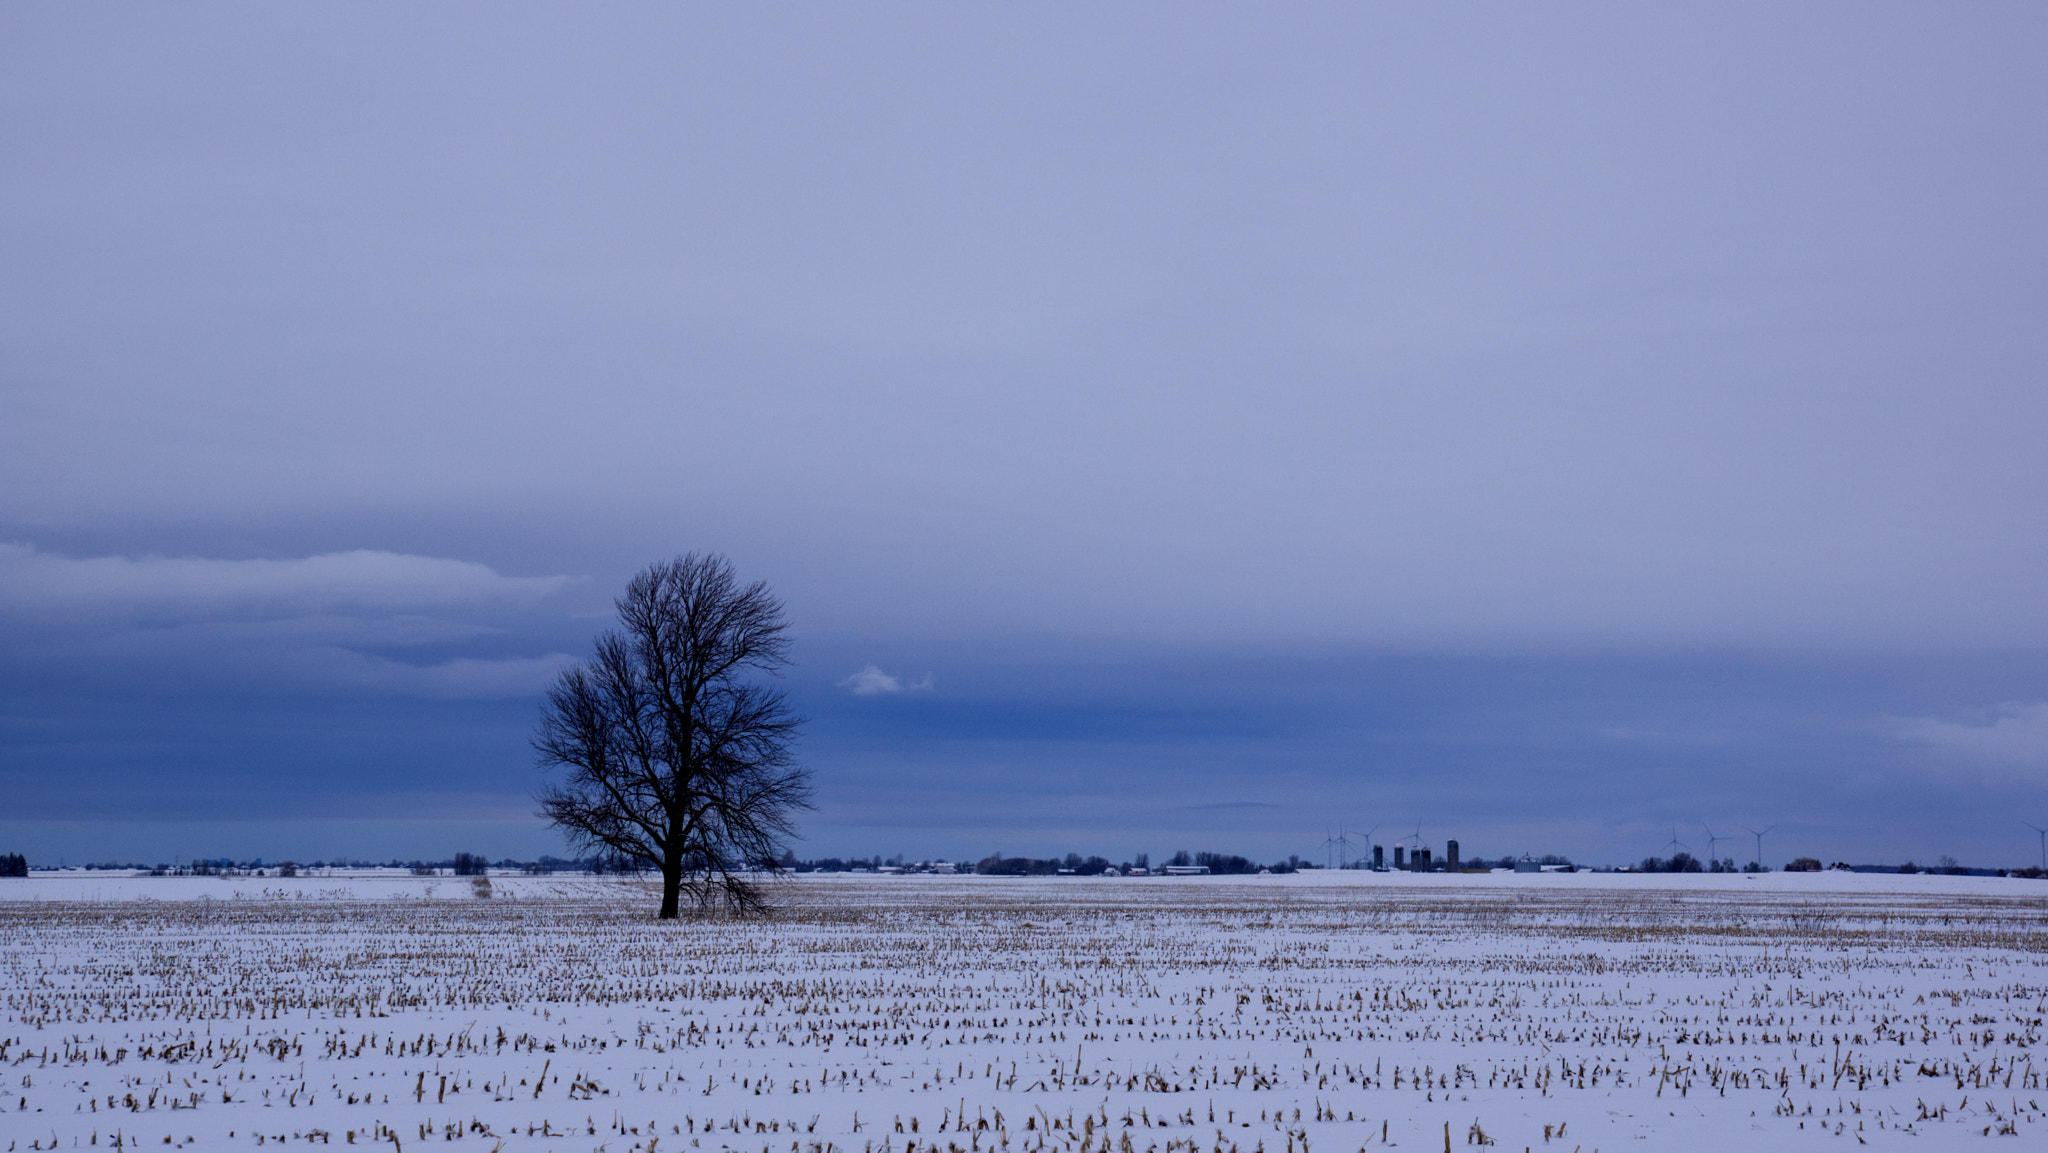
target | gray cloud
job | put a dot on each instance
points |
(459, 677)
(307, 624)
(362, 579)
(2014, 736)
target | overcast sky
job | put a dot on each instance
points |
(1170, 425)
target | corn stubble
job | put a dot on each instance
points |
(920, 1015)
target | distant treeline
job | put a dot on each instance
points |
(461, 865)
(1074, 864)
(997, 865)
(1687, 863)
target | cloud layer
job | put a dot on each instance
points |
(2013, 736)
(330, 622)
(1703, 327)
(195, 587)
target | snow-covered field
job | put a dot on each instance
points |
(1333, 1011)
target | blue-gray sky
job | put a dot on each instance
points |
(1170, 425)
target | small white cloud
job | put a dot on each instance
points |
(871, 681)
(2016, 735)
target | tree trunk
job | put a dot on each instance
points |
(671, 890)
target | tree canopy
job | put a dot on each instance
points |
(671, 754)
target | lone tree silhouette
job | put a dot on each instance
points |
(673, 759)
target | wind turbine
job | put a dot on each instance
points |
(2044, 841)
(1331, 844)
(1759, 843)
(1674, 842)
(1365, 843)
(1713, 843)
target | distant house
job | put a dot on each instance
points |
(1528, 865)
(1186, 870)
(944, 867)
(1139, 871)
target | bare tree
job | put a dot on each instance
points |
(674, 759)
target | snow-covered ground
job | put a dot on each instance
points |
(1325, 1011)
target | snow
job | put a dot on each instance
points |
(1325, 1011)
